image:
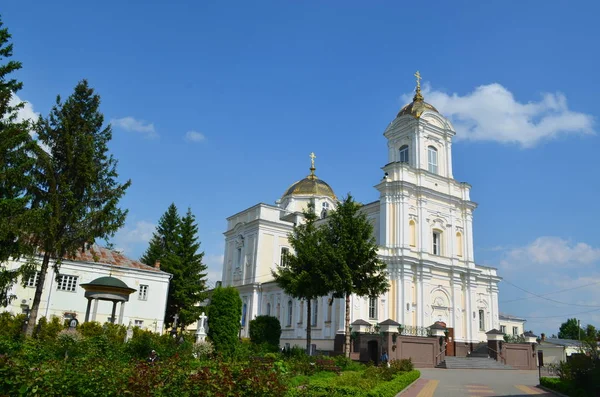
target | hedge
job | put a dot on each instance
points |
(324, 388)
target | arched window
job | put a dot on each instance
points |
(481, 320)
(268, 309)
(436, 242)
(459, 244)
(324, 210)
(403, 154)
(289, 313)
(432, 158)
(315, 312)
(412, 233)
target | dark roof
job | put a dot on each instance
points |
(107, 281)
(389, 321)
(529, 333)
(437, 325)
(509, 316)
(97, 254)
(361, 322)
(563, 342)
(494, 332)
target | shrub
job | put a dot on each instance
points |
(404, 365)
(48, 331)
(224, 315)
(265, 329)
(203, 349)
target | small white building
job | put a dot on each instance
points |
(511, 325)
(63, 296)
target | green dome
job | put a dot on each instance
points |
(107, 281)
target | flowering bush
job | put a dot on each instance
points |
(203, 349)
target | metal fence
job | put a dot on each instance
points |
(409, 330)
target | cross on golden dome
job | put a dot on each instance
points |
(418, 96)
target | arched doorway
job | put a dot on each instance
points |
(373, 349)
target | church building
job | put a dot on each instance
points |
(423, 224)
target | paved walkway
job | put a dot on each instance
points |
(475, 383)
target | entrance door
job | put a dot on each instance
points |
(450, 343)
(373, 350)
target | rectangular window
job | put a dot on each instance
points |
(515, 331)
(503, 329)
(432, 157)
(239, 258)
(436, 243)
(139, 323)
(143, 293)
(315, 312)
(481, 321)
(284, 254)
(373, 308)
(32, 281)
(290, 312)
(404, 154)
(66, 283)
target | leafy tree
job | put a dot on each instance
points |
(570, 330)
(265, 329)
(303, 275)
(75, 182)
(590, 332)
(175, 244)
(355, 267)
(17, 150)
(164, 238)
(224, 316)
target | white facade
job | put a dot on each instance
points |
(423, 223)
(145, 308)
(511, 325)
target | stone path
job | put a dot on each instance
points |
(475, 383)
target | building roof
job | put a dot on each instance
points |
(510, 317)
(107, 281)
(563, 342)
(97, 254)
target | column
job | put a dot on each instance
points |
(383, 221)
(121, 312)
(456, 322)
(400, 305)
(114, 310)
(419, 290)
(87, 310)
(95, 309)
(399, 221)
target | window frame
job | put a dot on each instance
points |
(314, 313)
(432, 160)
(373, 308)
(283, 252)
(481, 320)
(515, 331)
(138, 323)
(403, 154)
(290, 314)
(144, 296)
(503, 329)
(33, 281)
(70, 285)
(436, 242)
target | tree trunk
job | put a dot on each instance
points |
(33, 313)
(347, 327)
(308, 326)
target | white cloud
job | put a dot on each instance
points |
(26, 112)
(131, 237)
(491, 113)
(134, 125)
(552, 252)
(194, 136)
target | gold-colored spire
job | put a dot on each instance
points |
(418, 96)
(312, 165)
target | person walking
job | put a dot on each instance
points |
(385, 359)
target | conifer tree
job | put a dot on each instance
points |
(17, 150)
(164, 238)
(175, 244)
(76, 183)
(354, 266)
(302, 275)
(189, 275)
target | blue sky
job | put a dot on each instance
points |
(216, 105)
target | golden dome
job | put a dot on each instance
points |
(418, 105)
(311, 185)
(416, 108)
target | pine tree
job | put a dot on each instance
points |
(302, 274)
(175, 244)
(17, 150)
(189, 278)
(164, 238)
(76, 186)
(354, 266)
